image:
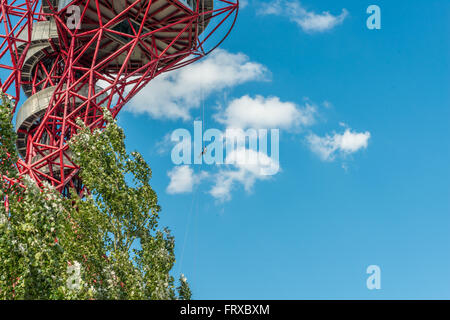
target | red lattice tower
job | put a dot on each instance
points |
(70, 59)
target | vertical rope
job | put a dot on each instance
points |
(201, 89)
(194, 215)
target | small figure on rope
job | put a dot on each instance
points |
(203, 152)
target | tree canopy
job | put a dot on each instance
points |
(104, 245)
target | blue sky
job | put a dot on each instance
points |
(312, 230)
(364, 153)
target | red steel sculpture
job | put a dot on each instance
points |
(70, 59)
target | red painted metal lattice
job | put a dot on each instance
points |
(69, 59)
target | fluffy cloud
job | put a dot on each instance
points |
(260, 112)
(183, 179)
(242, 172)
(309, 21)
(344, 144)
(172, 95)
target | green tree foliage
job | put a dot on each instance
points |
(106, 245)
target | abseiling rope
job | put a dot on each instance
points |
(201, 89)
(194, 195)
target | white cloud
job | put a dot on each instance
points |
(245, 173)
(183, 179)
(309, 21)
(238, 170)
(344, 144)
(267, 113)
(172, 95)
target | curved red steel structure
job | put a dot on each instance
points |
(70, 59)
